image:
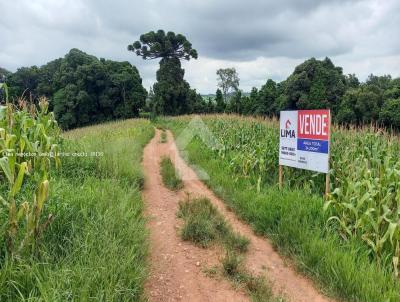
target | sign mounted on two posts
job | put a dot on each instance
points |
(305, 140)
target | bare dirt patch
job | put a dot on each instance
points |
(177, 267)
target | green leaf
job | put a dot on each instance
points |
(42, 194)
(5, 166)
(20, 178)
(391, 230)
(23, 209)
(327, 204)
(3, 201)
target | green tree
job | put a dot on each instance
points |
(392, 92)
(46, 85)
(315, 84)
(23, 82)
(94, 90)
(172, 93)
(246, 105)
(382, 82)
(390, 113)
(251, 103)
(371, 102)
(235, 104)
(282, 99)
(125, 83)
(153, 45)
(4, 73)
(65, 105)
(149, 101)
(390, 87)
(197, 103)
(352, 81)
(360, 105)
(219, 100)
(266, 101)
(210, 106)
(228, 81)
(82, 88)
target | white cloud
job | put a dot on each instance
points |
(261, 39)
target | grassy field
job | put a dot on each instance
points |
(294, 219)
(95, 248)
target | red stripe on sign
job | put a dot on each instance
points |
(313, 124)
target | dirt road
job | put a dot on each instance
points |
(177, 267)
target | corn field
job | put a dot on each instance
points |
(365, 176)
(29, 148)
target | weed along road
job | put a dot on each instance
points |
(180, 270)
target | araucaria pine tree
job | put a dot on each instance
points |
(172, 94)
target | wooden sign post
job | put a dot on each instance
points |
(327, 185)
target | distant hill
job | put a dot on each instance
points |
(212, 95)
(206, 97)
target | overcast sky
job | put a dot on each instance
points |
(261, 38)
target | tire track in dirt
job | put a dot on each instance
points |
(176, 272)
(176, 266)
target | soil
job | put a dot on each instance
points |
(178, 268)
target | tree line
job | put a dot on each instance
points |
(317, 84)
(84, 89)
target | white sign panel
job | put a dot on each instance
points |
(304, 139)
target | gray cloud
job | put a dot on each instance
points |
(260, 38)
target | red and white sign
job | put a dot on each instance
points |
(304, 139)
(313, 124)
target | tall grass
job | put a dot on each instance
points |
(95, 248)
(204, 225)
(294, 218)
(163, 138)
(170, 176)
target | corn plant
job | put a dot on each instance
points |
(365, 176)
(366, 200)
(28, 144)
